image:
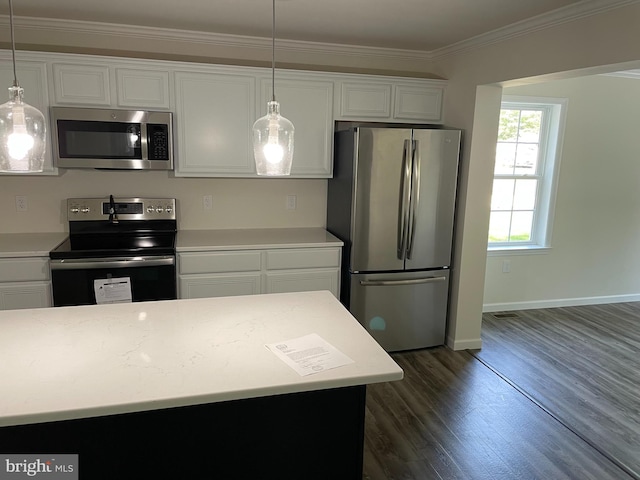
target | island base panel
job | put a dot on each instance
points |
(311, 435)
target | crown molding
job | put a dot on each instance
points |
(634, 74)
(544, 21)
(560, 16)
(212, 39)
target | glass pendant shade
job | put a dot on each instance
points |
(22, 135)
(273, 142)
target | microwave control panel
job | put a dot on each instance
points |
(158, 142)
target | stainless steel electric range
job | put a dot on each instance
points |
(118, 250)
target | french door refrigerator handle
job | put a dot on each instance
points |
(412, 281)
(405, 198)
(414, 202)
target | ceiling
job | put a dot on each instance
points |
(424, 25)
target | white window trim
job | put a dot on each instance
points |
(543, 226)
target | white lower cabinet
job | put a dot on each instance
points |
(25, 295)
(25, 283)
(303, 281)
(248, 272)
(219, 285)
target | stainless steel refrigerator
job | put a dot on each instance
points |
(392, 202)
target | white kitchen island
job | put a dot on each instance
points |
(187, 387)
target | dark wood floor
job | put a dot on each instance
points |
(454, 418)
(582, 364)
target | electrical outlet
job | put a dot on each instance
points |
(506, 266)
(292, 200)
(21, 203)
(207, 202)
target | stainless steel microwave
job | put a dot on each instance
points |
(112, 139)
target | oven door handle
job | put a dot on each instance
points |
(112, 262)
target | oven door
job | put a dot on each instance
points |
(150, 278)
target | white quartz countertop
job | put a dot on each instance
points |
(201, 240)
(77, 362)
(29, 244)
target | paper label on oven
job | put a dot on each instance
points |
(112, 290)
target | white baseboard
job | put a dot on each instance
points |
(473, 344)
(562, 302)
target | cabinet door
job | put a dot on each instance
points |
(32, 77)
(25, 295)
(214, 120)
(142, 88)
(304, 281)
(81, 84)
(308, 105)
(222, 285)
(365, 100)
(418, 103)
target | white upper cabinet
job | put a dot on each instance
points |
(81, 84)
(215, 106)
(110, 86)
(417, 103)
(214, 119)
(365, 100)
(308, 103)
(394, 99)
(32, 77)
(138, 88)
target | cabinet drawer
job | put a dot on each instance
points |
(205, 286)
(25, 295)
(303, 258)
(304, 281)
(24, 269)
(218, 262)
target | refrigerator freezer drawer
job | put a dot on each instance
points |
(402, 311)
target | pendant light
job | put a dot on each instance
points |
(22, 127)
(273, 133)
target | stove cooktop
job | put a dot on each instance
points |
(113, 227)
(114, 246)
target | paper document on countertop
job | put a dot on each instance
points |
(309, 354)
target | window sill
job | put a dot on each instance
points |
(517, 250)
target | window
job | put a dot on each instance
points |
(527, 159)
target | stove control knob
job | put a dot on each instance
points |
(85, 210)
(159, 209)
(168, 209)
(75, 210)
(151, 209)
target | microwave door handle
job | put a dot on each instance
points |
(144, 142)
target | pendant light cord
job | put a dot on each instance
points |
(13, 45)
(273, 54)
